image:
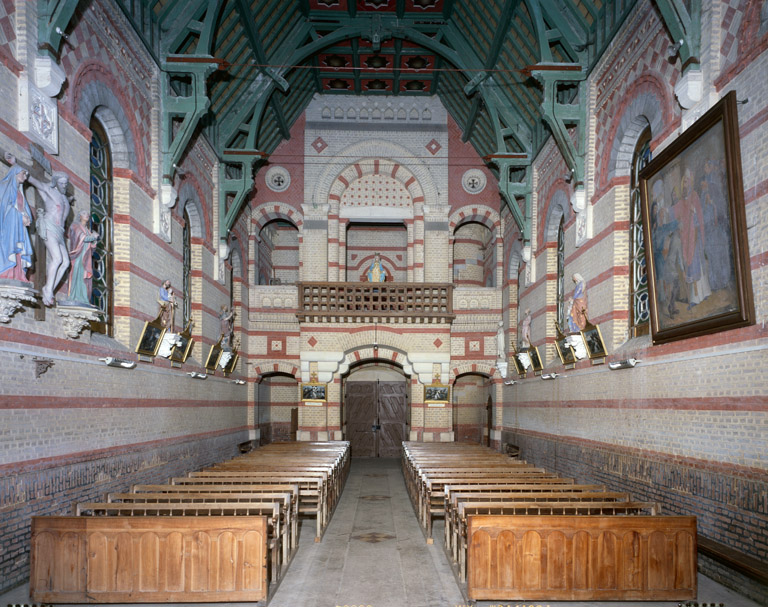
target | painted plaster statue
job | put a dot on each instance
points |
(577, 316)
(50, 227)
(15, 218)
(500, 349)
(166, 300)
(376, 273)
(82, 241)
(525, 331)
(227, 326)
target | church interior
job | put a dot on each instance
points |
(387, 237)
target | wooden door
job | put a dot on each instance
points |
(360, 403)
(392, 411)
(294, 423)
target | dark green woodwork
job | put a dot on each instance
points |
(244, 70)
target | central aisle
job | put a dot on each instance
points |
(373, 552)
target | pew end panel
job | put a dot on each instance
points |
(149, 559)
(581, 558)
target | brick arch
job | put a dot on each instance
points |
(559, 206)
(266, 369)
(474, 213)
(373, 157)
(650, 105)
(270, 211)
(189, 200)
(472, 368)
(365, 352)
(97, 93)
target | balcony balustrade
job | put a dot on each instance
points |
(390, 302)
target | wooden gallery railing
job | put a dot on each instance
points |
(402, 302)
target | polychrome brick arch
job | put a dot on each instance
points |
(649, 104)
(96, 94)
(270, 211)
(477, 214)
(189, 200)
(374, 157)
(472, 368)
(266, 368)
(559, 207)
(366, 352)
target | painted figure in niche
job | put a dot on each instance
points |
(166, 300)
(82, 241)
(15, 218)
(717, 245)
(376, 273)
(50, 227)
(577, 316)
(227, 326)
(689, 213)
(525, 331)
(667, 252)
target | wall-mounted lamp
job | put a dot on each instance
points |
(511, 382)
(110, 361)
(623, 364)
(196, 375)
(61, 33)
(551, 375)
(673, 49)
(179, 170)
(239, 382)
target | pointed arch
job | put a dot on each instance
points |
(559, 208)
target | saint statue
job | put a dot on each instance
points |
(376, 273)
(81, 244)
(15, 218)
(226, 326)
(577, 316)
(167, 303)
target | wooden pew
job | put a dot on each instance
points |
(313, 494)
(286, 500)
(581, 558)
(149, 559)
(269, 509)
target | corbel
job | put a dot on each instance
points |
(685, 29)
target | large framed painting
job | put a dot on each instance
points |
(697, 257)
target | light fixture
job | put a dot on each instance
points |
(511, 382)
(196, 375)
(673, 49)
(111, 361)
(179, 170)
(623, 364)
(551, 376)
(239, 382)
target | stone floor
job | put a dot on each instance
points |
(374, 554)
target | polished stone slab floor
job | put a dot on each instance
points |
(374, 554)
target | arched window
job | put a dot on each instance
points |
(186, 285)
(102, 294)
(640, 312)
(561, 274)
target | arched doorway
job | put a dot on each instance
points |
(376, 409)
(472, 408)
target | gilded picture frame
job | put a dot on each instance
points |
(437, 394)
(151, 337)
(697, 257)
(214, 354)
(180, 353)
(536, 364)
(593, 340)
(314, 392)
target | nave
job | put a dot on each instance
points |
(374, 553)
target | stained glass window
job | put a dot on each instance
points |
(102, 295)
(561, 273)
(640, 312)
(186, 285)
